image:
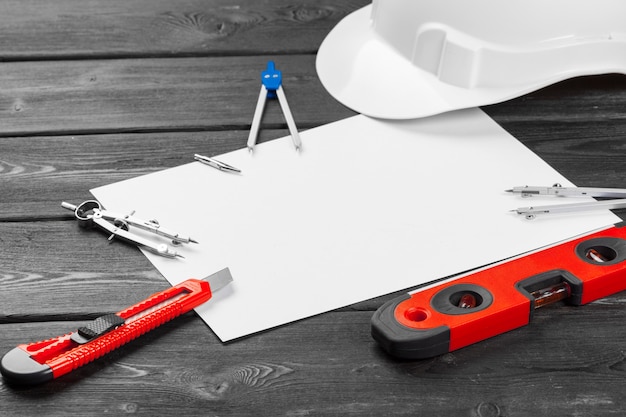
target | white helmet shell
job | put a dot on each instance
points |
(405, 59)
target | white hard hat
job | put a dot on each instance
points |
(404, 59)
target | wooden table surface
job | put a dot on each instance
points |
(94, 92)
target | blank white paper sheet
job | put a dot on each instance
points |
(367, 207)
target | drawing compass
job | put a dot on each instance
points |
(617, 199)
(271, 87)
(91, 212)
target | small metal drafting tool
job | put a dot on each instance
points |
(91, 213)
(39, 362)
(557, 190)
(271, 86)
(222, 166)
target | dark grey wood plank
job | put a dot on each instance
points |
(578, 126)
(57, 269)
(218, 93)
(594, 98)
(329, 365)
(37, 173)
(186, 94)
(71, 29)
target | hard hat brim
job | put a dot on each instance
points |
(364, 72)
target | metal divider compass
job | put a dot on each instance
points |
(90, 213)
(271, 87)
(618, 195)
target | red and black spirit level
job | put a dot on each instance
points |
(473, 307)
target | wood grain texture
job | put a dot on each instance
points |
(186, 94)
(339, 370)
(64, 270)
(79, 29)
(37, 173)
(68, 271)
(587, 149)
(96, 92)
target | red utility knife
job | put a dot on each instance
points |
(465, 310)
(39, 362)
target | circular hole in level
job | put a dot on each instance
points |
(466, 299)
(416, 314)
(600, 254)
